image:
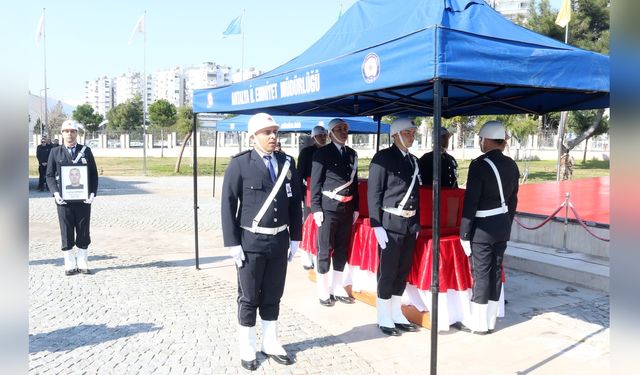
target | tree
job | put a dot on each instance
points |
(37, 128)
(85, 115)
(126, 116)
(462, 124)
(184, 125)
(162, 114)
(588, 29)
(56, 118)
(581, 121)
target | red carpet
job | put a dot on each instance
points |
(589, 196)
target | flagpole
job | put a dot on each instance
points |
(242, 58)
(144, 100)
(44, 45)
(563, 118)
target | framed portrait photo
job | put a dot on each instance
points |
(74, 182)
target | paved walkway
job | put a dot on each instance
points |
(146, 310)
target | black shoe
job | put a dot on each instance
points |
(249, 365)
(407, 327)
(281, 359)
(85, 271)
(307, 268)
(461, 327)
(326, 302)
(389, 331)
(70, 272)
(347, 300)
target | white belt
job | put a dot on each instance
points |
(338, 197)
(398, 212)
(492, 212)
(263, 230)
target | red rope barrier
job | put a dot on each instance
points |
(543, 223)
(573, 209)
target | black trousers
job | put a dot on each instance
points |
(486, 267)
(334, 233)
(262, 276)
(74, 218)
(395, 264)
(42, 180)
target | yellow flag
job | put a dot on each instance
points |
(564, 15)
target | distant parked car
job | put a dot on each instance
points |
(113, 143)
(93, 143)
(136, 144)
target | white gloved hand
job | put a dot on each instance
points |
(318, 217)
(292, 250)
(417, 234)
(356, 214)
(466, 246)
(58, 198)
(237, 254)
(91, 198)
(381, 237)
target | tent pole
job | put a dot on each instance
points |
(435, 253)
(215, 159)
(378, 135)
(195, 188)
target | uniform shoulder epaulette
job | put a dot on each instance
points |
(241, 153)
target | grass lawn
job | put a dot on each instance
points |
(539, 171)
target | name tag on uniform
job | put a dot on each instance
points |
(288, 189)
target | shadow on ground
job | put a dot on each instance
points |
(71, 338)
(106, 186)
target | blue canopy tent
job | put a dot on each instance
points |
(439, 58)
(294, 124)
(299, 124)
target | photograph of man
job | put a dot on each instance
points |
(489, 207)
(74, 216)
(393, 200)
(74, 178)
(334, 203)
(261, 227)
(449, 166)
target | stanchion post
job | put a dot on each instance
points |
(564, 249)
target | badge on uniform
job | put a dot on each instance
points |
(289, 174)
(84, 161)
(287, 187)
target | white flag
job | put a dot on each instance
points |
(138, 28)
(40, 29)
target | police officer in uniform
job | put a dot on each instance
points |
(449, 167)
(261, 220)
(392, 196)
(74, 216)
(42, 154)
(334, 203)
(489, 207)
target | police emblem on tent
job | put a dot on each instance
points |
(371, 68)
(209, 100)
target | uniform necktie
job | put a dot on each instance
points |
(72, 151)
(407, 159)
(343, 153)
(272, 172)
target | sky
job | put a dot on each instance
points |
(89, 39)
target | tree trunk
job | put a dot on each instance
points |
(460, 131)
(584, 155)
(568, 146)
(184, 144)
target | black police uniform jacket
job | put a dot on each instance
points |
(42, 153)
(329, 171)
(59, 156)
(389, 179)
(246, 187)
(482, 193)
(448, 170)
(305, 160)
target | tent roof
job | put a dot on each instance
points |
(289, 124)
(382, 57)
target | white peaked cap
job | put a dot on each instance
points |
(402, 124)
(260, 121)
